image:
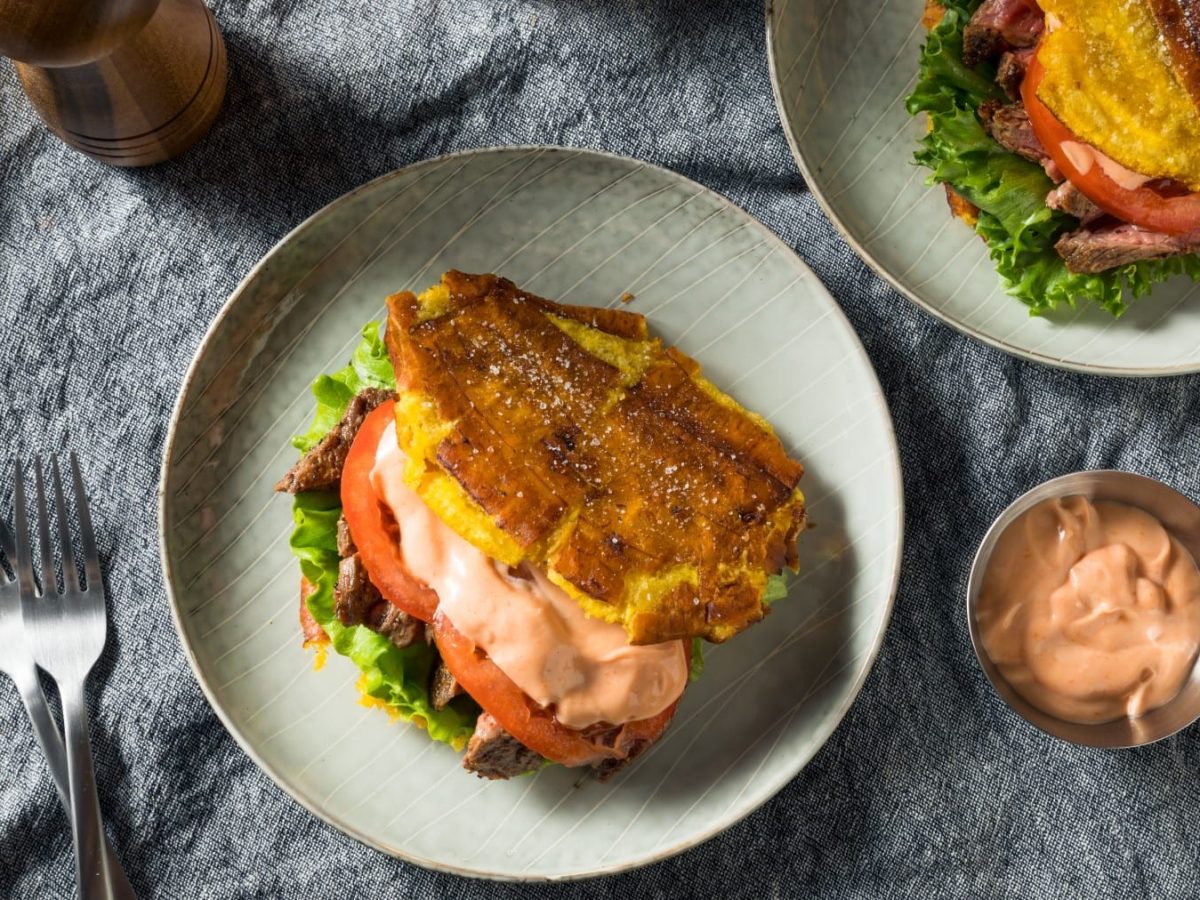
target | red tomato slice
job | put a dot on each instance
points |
(372, 526)
(1142, 206)
(524, 719)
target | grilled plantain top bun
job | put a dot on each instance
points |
(1179, 22)
(566, 438)
(1124, 76)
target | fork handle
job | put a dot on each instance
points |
(52, 749)
(47, 736)
(86, 824)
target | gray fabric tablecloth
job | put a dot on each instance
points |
(108, 279)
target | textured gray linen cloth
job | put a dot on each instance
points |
(108, 279)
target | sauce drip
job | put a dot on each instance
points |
(532, 630)
(1083, 157)
(1091, 611)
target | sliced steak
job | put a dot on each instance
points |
(1010, 71)
(345, 543)
(1009, 126)
(614, 736)
(1069, 199)
(395, 624)
(354, 596)
(493, 753)
(610, 767)
(357, 602)
(1098, 250)
(443, 686)
(1000, 25)
(320, 469)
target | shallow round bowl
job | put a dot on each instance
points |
(1181, 517)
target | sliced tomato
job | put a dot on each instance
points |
(372, 526)
(1144, 206)
(521, 717)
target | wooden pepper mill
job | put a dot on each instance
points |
(128, 82)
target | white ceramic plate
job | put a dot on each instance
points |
(582, 227)
(841, 70)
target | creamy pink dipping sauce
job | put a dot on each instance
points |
(1091, 611)
(532, 630)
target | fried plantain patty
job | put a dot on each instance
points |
(565, 437)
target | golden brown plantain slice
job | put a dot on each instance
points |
(1119, 83)
(565, 437)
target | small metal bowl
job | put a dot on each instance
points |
(1181, 517)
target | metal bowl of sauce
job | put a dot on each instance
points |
(1083, 606)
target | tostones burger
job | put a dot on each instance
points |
(1067, 133)
(520, 519)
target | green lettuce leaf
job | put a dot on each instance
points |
(776, 589)
(369, 367)
(1010, 192)
(697, 664)
(395, 677)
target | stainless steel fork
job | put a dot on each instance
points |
(66, 633)
(17, 663)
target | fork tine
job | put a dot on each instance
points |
(91, 558)
(70, 576)
(49, 582)
(24, 563)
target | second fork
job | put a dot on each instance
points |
(67, 633)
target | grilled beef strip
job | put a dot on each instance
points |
(1089, 250)
(614, 736)
(345, 543)
(354, 596)
(606, 769)
(1000, 25)
(1010, 71)
(1069, 199)
(320, 469)
(443, 686)
(1009, 126)
(493, 753)
(396, 625)
(357, 602)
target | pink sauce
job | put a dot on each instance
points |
(1091, 611)
(532, 629)
(1084, 156)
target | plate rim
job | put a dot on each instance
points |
(701, 836)
(1056, 362)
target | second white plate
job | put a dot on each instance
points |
(841, 71)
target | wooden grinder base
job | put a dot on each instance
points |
(149, 99)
